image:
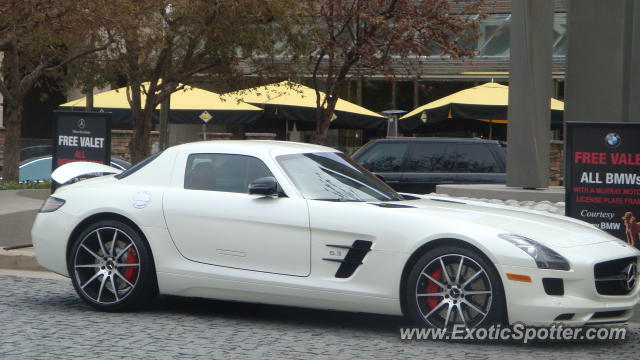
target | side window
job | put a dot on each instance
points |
(223, 172)
(384, 157)
(431, 157)
(476, 158)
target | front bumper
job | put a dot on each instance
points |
(581, 304)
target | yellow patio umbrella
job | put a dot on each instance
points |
(487, 102)
(291, 101)
(189, 105)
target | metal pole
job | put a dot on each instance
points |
(490, 129)
(393, 95)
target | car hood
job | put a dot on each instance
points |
(549, 229)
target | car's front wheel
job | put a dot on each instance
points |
(111, 267)
(454, 286)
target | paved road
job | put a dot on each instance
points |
(43, 318)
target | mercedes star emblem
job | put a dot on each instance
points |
(630, 273)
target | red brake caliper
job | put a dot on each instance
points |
(131, 272)
(432, 287)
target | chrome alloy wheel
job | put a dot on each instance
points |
(453, 289)
(106, 265)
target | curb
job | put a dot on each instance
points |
(19, 259)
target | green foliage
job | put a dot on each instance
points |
(6, 185)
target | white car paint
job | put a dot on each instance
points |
(63, 174)
(244, 247)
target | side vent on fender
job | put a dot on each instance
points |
(357, 251)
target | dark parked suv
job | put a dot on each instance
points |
(417, 165)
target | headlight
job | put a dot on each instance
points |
(51, 204)
(544, 257)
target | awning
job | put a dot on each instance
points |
(487, 102)
(295, 102)
(187, 107)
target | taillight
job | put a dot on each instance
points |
(51, 204)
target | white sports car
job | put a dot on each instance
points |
(303, 225)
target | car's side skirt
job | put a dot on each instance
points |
(193, 286)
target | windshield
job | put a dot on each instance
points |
(334, 177)
(137, 166)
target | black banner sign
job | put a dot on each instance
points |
(81, 136)
(603, 177)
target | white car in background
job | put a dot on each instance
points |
(303, 225)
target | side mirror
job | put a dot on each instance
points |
(265, 186)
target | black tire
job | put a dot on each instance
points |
(468, 299)
(97, 265)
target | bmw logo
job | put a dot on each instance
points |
(612, 140)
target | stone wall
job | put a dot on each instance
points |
(247, 136)
(260, 136)
(217, 136)
(120, 140)
(556, 163)
(120, 143)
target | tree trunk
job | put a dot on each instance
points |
(139, 146)
(323, 121)
(89, 97)
(12, 142)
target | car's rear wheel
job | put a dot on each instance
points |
(111, 267)
(454, 286)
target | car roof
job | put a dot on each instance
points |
(437, 139)
(251, 146)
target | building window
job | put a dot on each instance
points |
(495, 32)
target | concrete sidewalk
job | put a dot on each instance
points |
(12, 201)
(18, 210)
